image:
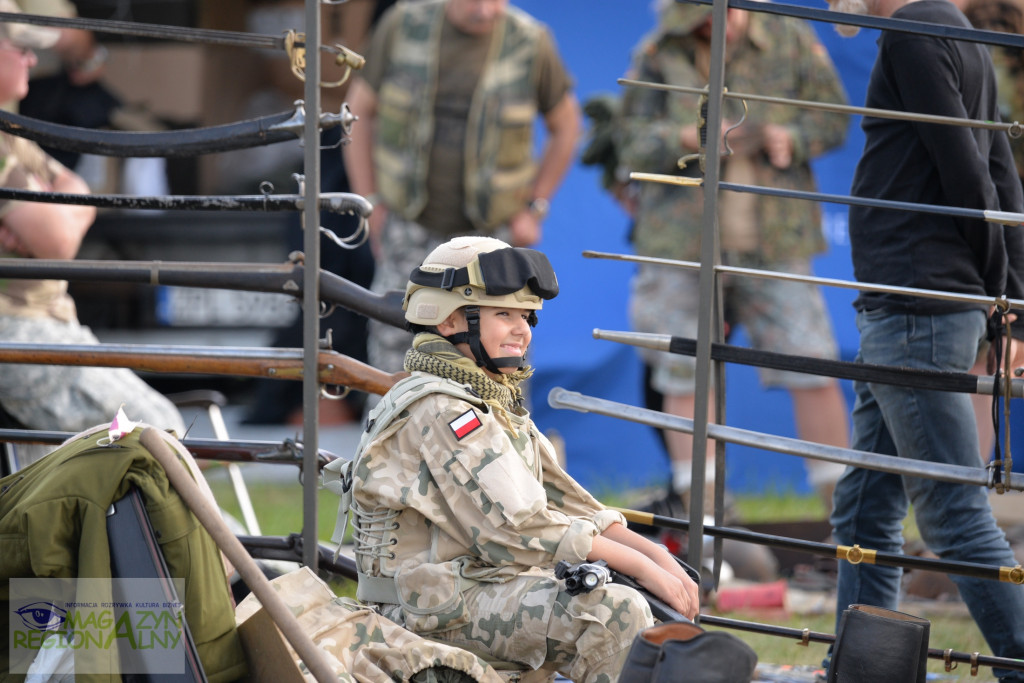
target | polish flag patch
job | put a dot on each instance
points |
(465, 424)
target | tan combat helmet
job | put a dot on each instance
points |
(480, 271)
(470, 272)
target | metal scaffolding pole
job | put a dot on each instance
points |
(709, 314)
(311, 287)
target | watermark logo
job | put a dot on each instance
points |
(100, 626)
(42, 616)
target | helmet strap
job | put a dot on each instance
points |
(472, 338)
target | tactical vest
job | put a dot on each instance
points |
(338, 475)
(498, 149)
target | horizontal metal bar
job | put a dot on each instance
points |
(923, 28)
(811, 279)
(962, 382)
(562, 398)
(286, 278)
(1013, 129)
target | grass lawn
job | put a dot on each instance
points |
(279, 509)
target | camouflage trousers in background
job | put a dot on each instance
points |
(71, 398)
(531, 622)
(403, 246)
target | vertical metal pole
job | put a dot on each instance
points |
(311, 292)
(708, 283)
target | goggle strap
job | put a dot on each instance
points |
(448, 279)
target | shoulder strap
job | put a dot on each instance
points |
(337, 475)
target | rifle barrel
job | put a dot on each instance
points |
(282, 278)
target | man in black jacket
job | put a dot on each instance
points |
(950, 166)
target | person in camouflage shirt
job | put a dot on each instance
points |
(772, 146)
(447, 105)
(41, 311)
(459, 507)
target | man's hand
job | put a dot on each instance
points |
(1016, 356)
(778, 145)
(1016, 348)
(524, 228)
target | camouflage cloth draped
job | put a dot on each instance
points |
(361, 645)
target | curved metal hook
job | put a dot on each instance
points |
(353, 241)
(725, 136)
(297, 57)
(326, 308)
(701, 155)
(335, 397)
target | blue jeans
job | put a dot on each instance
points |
(955, 520)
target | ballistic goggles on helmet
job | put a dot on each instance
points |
(511, 278)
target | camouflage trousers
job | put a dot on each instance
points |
(403, 245)
(72, 398)
(532, 622)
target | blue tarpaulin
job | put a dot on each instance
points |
(596, 37)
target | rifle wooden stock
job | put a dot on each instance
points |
(334, 368)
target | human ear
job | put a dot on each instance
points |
(448, 327)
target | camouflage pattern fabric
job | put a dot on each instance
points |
(531, 622)
(25, 166)
(360, 644)
(1006, 16)
(781, 57)
(778, 315)
(463, 504)
(72, 398)
(51, 397)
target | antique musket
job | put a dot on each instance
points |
(286, 278)
(273, 363)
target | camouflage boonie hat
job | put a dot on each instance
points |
(26, 35)
(681, 18)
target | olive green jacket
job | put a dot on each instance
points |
(53, 525)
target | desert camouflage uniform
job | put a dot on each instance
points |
(463, 512)
(51, 397)
(357, 642)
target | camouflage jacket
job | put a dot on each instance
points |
(499, 169)
(779, 56)
(455, 489)
(25, 166)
